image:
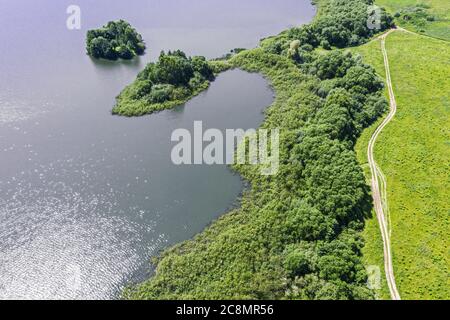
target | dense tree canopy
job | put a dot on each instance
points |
(164, 83)
(115, 40)
(340, 23)
(344, 23)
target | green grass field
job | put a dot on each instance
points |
(414, 153)
(439, 9)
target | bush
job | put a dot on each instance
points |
(418, 16)
(202, 67)
(325, 44)
(125, 53)
(141, 89)
(332, 65)
(297, 263)
(172, 69)
(161, 93)
(101, 48)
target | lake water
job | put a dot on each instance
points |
(86, 198)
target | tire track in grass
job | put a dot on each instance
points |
(380, 196)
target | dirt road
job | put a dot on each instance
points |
(379, 198)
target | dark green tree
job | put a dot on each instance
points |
(117, 39)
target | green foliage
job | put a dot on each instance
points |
(351, 90)
(340, 23)
(202, 68)
(160, 93)
(430, 17)
(115, 40)
(297, 234)
(332, 65)
(170, 81)
(418, 16)
(174, 69)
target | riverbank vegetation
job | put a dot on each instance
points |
(297, 235)
(413, 153)
(115, 40)
(339, 24)
(171, 81)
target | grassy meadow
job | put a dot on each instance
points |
(413, 152)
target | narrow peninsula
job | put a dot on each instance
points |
(171, 81)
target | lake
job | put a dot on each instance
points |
(87, 198)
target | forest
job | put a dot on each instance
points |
(115, 40)
(339, 24)
(296, 235)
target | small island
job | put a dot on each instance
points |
(171, 81)
(115, 40)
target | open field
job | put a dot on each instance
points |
(438, 10)
(413, 153)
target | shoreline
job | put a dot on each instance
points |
(186, 255)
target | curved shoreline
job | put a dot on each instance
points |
(180, 265)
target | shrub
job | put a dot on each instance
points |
(141, 89)
(340, 23)
(161, 93)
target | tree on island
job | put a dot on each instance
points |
(117, 39)
(171, 80)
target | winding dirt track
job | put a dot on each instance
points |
(379, 197)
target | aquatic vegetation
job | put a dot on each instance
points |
(117, 39)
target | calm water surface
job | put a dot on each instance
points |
(86, 198)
